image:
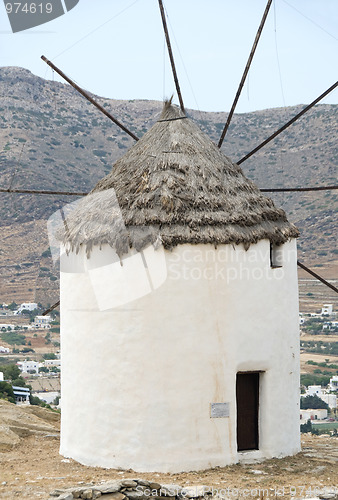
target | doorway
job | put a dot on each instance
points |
(247, 398)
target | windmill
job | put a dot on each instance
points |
(203, 409)
(221, 140)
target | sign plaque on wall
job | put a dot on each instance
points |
(219, 410)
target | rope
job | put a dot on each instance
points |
(277, 55)
(184, 67)
(311, 20)
(96, 29)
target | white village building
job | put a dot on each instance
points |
(181, 280)
(327, 309)
(42, 321)
(333, 385)
(316, 414)
(28, 306)
(324, 394)
(28, 366)
(49, 363)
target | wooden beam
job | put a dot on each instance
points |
(84, 193)
(286, 190)
(290, 122)
(35, 191)
(51, 308)
(315, 275)
(246, 71)
(89, 98)
(171, 56)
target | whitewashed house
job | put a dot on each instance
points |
(323, 394)
(180, 277)
(42, 321)
(317, 414)
(330, 399)
(49, 363)
(28, 366)
(4, 350)
(28, 306)
(333, 385)
(313, 390)
(327, 309)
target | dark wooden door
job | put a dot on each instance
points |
(247, 396)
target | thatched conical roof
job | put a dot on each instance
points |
(175, 186)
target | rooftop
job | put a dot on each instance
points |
(175, 186)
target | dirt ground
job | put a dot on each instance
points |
(31, 467)
(318, 358)
(316, 338)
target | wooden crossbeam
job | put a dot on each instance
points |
(89, 98)
(246, 71)
(290, 122)
(171, 56)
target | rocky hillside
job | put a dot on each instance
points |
(51, 138)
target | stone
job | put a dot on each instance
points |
(136, 495)
(170, 490)
(57, 492)
(114, 496)
(163, 498)
(143, 482)
(112, 487)
(66, 496)
(87, 494)
(129, 483)
(77, 492)
(154, 486)
(318, 469)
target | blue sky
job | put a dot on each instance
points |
(116, 49)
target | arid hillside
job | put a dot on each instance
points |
(51, 138)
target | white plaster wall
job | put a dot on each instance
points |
(138, 379)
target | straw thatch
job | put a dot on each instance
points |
(175, 186)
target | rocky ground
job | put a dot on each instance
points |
(31, 467)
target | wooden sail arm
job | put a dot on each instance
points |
(89, 98)
(290, 122)
(171, 56)
(246, 71)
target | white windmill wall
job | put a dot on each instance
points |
(138, 379)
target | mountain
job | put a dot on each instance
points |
(51, 138)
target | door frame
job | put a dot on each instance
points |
(256, 437)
